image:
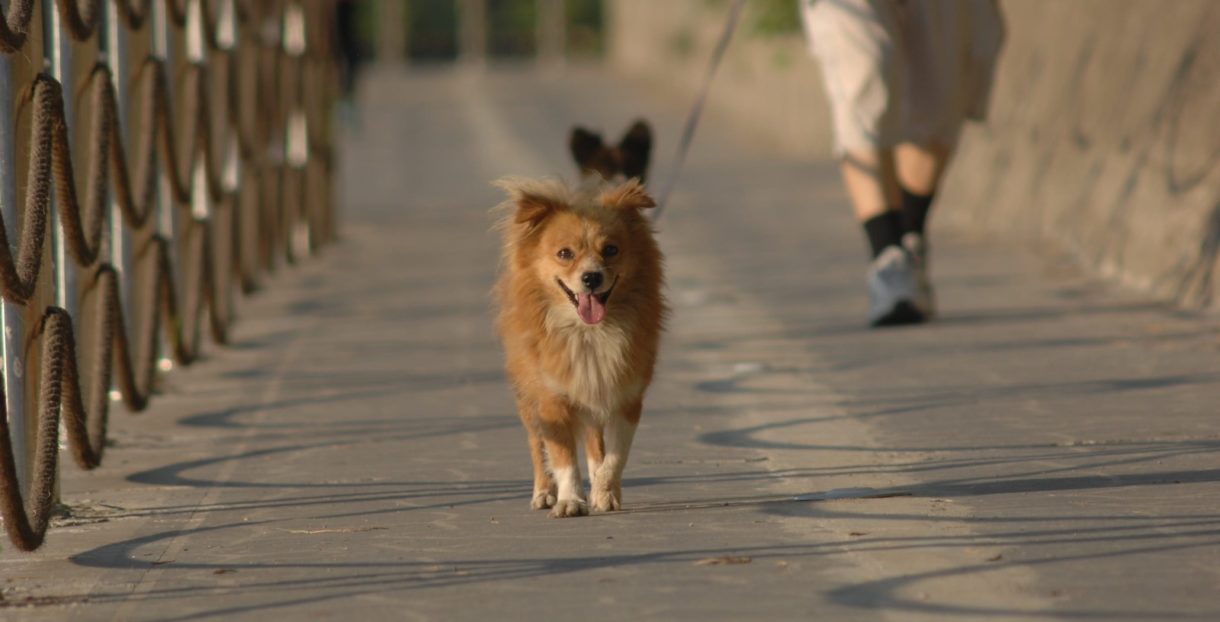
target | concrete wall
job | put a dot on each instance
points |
(1104, 133)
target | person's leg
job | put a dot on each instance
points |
(870, 178)
(855, 45)
(940, 94)
(950, 48)
(919, 168)
(872, 188)
(854, 41)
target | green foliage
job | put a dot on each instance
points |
(512, 27)
(682, 43)
(782, 59)
(770, 18)
(766, 18)
(366, 27)
(433, 29)
(586, 27)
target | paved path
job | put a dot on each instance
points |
(1048, 449)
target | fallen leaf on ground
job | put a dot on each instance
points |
(336, 530)
(723, 561)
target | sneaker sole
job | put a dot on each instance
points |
(902, 314)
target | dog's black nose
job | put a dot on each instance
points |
(592, 280)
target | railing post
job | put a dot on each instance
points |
(283, 121)
(472, 33)
(165, 196)
(161, 51)
(296, 136)
(391, 32)
(10, 313)
(59, 62)
(226, 36)
(196, 54)
(114, 40)
(231, 165)
(552, 35)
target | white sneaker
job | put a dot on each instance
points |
(917, 247)
(892, 290)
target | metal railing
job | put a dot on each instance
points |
(175, 151)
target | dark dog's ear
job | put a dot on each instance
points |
(636, 147)
(584, 146)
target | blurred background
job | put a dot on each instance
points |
(434, 31)
(1102, 136)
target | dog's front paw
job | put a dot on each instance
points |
(606, 500)
(567, 508)
(542, 500)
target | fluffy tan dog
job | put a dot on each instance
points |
(581, 313)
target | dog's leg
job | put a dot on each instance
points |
(595, 448)
(607, 493)
(559, 425)
(544, 486)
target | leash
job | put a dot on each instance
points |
(692, 120)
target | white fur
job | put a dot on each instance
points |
(594, 466)
(570, 501)
(597, 356)
(607, 480)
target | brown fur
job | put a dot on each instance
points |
(574, 380)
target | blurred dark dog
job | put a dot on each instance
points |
(627, 160)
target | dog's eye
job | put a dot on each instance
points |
(566, 254)
(610, 250)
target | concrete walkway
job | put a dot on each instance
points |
(1048, 449)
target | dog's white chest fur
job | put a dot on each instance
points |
(597, 377)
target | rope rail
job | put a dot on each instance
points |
(222, 139)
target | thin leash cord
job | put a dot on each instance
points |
(692, 120)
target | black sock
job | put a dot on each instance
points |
(883, 230)
(915, 211)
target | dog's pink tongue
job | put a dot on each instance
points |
(590, 309)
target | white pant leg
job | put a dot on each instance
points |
(952, 48)
(862, 69)
(903, 71)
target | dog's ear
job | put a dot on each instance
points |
(636, 147)
(533, 208)
(531, 201)
(584, 146)
(628, 195)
